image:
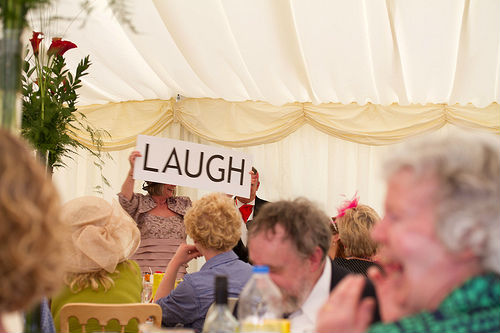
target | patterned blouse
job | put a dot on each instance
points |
(355, 265)
(153, 226)
(160, 236)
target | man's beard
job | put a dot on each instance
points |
(292, 303)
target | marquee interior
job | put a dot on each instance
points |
(316, 91)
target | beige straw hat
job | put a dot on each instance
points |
(102, 235)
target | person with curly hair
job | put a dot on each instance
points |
(103, 237)
(214, 224)
(31, 231)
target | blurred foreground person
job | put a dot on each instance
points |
(30, 232)
(102, 239)
(439, 243)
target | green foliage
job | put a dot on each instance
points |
(50, 118)
(13, 12)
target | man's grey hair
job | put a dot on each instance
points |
(466, 166)
(305, 225)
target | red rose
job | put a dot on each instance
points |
(59, 46)
(35, 41)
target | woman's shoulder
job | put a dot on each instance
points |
(136, 199)
(179, 204)
(185, 200)
(144, 198)
(129, 278)
(129, 268)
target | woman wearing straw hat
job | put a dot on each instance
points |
(103, 237)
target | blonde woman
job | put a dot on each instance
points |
(214, 224)
(355, 222)
(30, 233)
(103, 237)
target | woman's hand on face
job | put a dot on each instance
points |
(132, 157)
(388, 295)
(344, 311)
(185, 253)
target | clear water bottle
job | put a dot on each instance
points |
(260, 303)
(220, 320)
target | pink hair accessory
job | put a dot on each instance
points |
(348, 204)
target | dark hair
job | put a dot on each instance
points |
(340, 252)
(305, 224)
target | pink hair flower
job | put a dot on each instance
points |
(348, 204)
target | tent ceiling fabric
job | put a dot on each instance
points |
(338, 51)
(365, 72)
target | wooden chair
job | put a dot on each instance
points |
(103, 313)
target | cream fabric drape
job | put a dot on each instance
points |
(242, 124)
(124, 121)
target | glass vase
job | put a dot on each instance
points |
(10, 77)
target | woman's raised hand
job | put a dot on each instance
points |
(128, 185)
(132, 157)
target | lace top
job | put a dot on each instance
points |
(153, 226)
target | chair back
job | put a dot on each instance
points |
(103, 313)
(231, 302)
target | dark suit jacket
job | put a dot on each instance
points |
(339, 272)
(240, 249)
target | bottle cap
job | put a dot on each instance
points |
(260, 269)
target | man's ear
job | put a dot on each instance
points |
(316, 259)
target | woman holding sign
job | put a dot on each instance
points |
(160, 218)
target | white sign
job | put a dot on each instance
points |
(190, 164)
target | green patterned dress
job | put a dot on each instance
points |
(472, 308)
